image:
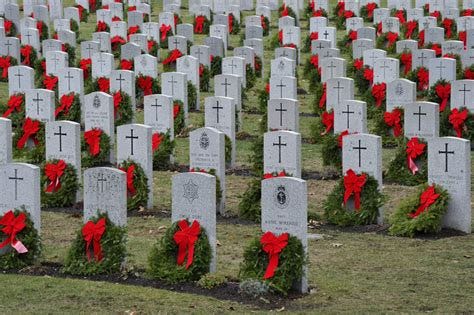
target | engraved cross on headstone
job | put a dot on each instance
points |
(60, 133)
(419, 114)
(132, 138)
(446, 154)
(279, 144)
(281, 110)
(348, 113)
(217, 108)
(16, 179)
(359, 148)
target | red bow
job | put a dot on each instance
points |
(270, 175)
(280, 37)
(410, 28)
(352, 35)
(39, 26)
(50, 82)
(151, 44)
(173, 56)
(341, 137)
(230, 18)
(85, 65)
(369, 75)
(164, 29)
(341, 7)
(322, 100)
(358, 64)
(437, 49)
(273, 246)
(130, 178)
(8, 26)
(401, 16)
(81, 9)
(348, 14)
(467, 12)
(392, 38)
(117, 100)
(262, 22)
(423, 79)
(447, 24)
(406, 59)
(11, 227)
(267, 88)
(457, 119)
(26, 54)
(5, 62)
(101, 26)
(314, 60)
(199, 27)
(126, 64)
(370, 9)
(414, 149)
(353, 185)
(92, 233)
(435, 14)
(145, 83)
(421, 38)
(313, 36)
(14, 104)
(328, 120)
(468, 74)
(284, 12)
(132, 8)
(462, 37)
(156, 141)
(65, 104)
(104, 84)
(30, 129)
(392, 119)
(378, 92)
(186, 238)
(92, 138)
(427, 198)
(176, 19)
(54, 173)
(443, 92)
(176, 110)
(133, 30)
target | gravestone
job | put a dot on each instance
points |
(421, 119)
(434, 35)
(328, 33)
(400, 93)
(118, 28)
(216, 46)
(141, 40)
(190, 66)
(228, 85)
(282, 152)
(51, 45)
(455, 47)
(124, 80)
(175, 84)
(235, 66)
(283, 87)
(67, 37)
(371, 55)
(391, 24)
(366, 33)
(332, 68)
(10, 46)
(386, 70)
(202, 53)
(20, 79)
(178, 42)
(158, 113)
(102, 65)
(129, 51)
(220, 31)
(186, 30)
(39, 105)
(103, 38)
(338, 90)
(361, 45)
(5, 140)
(462, 94)
(71, 80)
(283, 66)
(287, 52)
(283, 114)
(30, 37)
(56, 60)
(351, 116)
(146, 65)
(421, 58)
(407, 45)
(442, 69)
(248, 53)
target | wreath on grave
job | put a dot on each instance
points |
(440, 93)
(86, 65)
(201, 24)
(17, 235)
(250, 76)
(341, 15)
(227, 150)
(95, 147)
(450, 28)
(307, 42)
(123, 111)
(99, 248)
(126, 64)
(249, 205)
(94, 4)
(375, 97)
(204, 77)
(468, 73)
(406, 58)
(367, 11)
(312, 72)
(466, 12)
(68, 108)
(42, 30)
(310, 11)
(169, 63)
(137, 185)
(10, 28)
(409, 166)
(387, 41)
(458, 122)
(363, 78)
(165, 32)
(178, 116)
(331, 149)
(421, 77)
(322, 126)
(401, 14)
(258, 66)
(146, 85)
(389, 125)
(40, 71)
(354, 66)
(276, 260)
(345, 44)
(216, 65)
(162, 147)
(153, 47)
(263, 97)
(102, 27)
(183, 254)
(30, 130)
(117, 42)
(192, 96)
(410, 30)
(319, 98)
(364, 191)
(5, 63)
(14, 109)
(74, 26)
(50, 82)
(265, 23)
(285, 10)
(59, 184)
(276, 40)
(234, 25)
(434, 46)
(28, 55)
(218, 181)
(83, 13)
(421, 212)
(462, 36)
(135, 29)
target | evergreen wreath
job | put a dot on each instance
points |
(263, 97)
(285, 10)
(65, 195)
(319, 100)
(83, 13)
(153, 47)
(35, 154)
(8, 61)
(228, 150)
(102, 158)
(368, 96)
(331, 149)
(405, 223)
(102, 27)
(162, 261)
(433, 96)
(178, 115)
(389, 139)
(291, 262)
(164, 39)
(371, 200)
(450, 28)
(410, 30)
(367, 11)
(74, 26)
(387, 41)
(137, 185)
(28, 55)
(457, 123)
(28, 236)
(113, 248)
(204, 78)
(10, 28)
(265, 22)
(421, 77)
(206, 24)
(258, 66)
(123, 108)
(161, 155)
(250, 202)
(399, 172)
(250, 76)
(312, 72)
(235, 27)
(71, 112)
(216, 65)
(468, 72)
(98, 84)
(363, 79)
(345, 44)
(14, 109)
(192, 96)
(143, 88)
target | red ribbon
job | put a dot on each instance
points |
(5, 62)
(341, 7)
(11, 227)
(393, 119)
(406, 60)
(92, 138)
(104, 84)
(14, 104)
(176, 19)
(328, 121)
(186, 238)
(132, 8)
(54, 173)
(130, 178)
(313, 36)
(8, 26)
(468, 74)
(369, 75)
(353, 185)
(164, 29)
(280, 37)
(156, 141)
(199, 27)
(462, 37)
(358, 63)
(30, 129)
(176, 110)
(92, 234)
(410, 28)
(370, 9)
(126, 64)
(50, 82)
(81, 11)
(85, 65)
(352, 35)
(427, 198)
(26, 54)
(65, 104)
(273, 246)
(400, 14)
(145, 83)
(348, 14)
(270, 175)
(341, 137)
(151, 44)
(267, 88)
(457, 120)
(379, 92)
(443, 92)
(117, 100)
(262, 22)
(284, 12)
(314, 60)
(447, 24)
(423, 79)
(421, 38)
(322, 100)
(101, 26)
(414, 149)
(437, 49)
(173, 56)
(435, 14)
(230, 18)
(467, 12)
(133, 30)
(392, 38)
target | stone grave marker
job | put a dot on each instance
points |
(283, 87)
(338, 90)
(186, 30)
(350, 115)
(175, 84)
(400, 93)
(10, 46)
(228, 85)
(371, 55)
(129, 51)
(55, 61)
(282, 152)
(283, 66)
(332, 68)
(51, 45)
(104, 42)
(20, 79)
(421, 58)
(146, 65)
(409, 45)
(386, 70)
(178, 42)
(158, 113)
(421, 119)
(190, 66)
(39, 104)
(202, 53)
(442, 69)
(462, 94)
(102, 65)
(361, 45)
(283, 114)
(5, 140)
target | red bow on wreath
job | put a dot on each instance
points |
(392, 119)
(369, 75)
(30, 129)
(186, 238)
(14, 104)
(358, 64)
(50, 82)
(11, 227)
(280, 36)
(423, 79)
(379, 92)
(341, 7)
(262, 22)
(230, 18)
(463, 37)
(313, 36)
(406, 60)
(133, 30)
(65, 104)
(414, 149)
(7, 24)
(437, 49)
(467, 12)
(353, 185)
(392, 38)
(156, 141)
(447, 24)
(284, 12)
(341, 137)
(145, 83)
(410, 28)
(176, 110)
(101, 26)
(427, 198)
(328, 121)
(81, 9)
(370, 9)
(130, 178)
(322, 100)
(132, 8)
(401, 16)
(54, 173)
(270, 175)
(164, 29)
(92, 234)
(117, 100)
(457, 119)
(352, 35)
(26, 54)
(5, 62)
(104, 84)
(273, 246)
(173, 56)
(199, 27)
(348, 14)
(126, 64)
(314, 60)
(92, 138)
(85, 65)
(443, 91)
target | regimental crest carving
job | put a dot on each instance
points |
(96, 101)
(281, 197)
(204, 141)
(191, 191)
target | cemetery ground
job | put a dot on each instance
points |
(362, 269)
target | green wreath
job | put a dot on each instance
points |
(74, 26)
(414, 35)
(192, 96)
(428, 221)
(398, 171)
(113, 247)
(331, 153)
(33, 56)
(318, 94)
(17, 117)
(372, 110)
(216, 65)
(433, 96)
(33, 155)
(29, 236)
(74, 113)
(161, 157)
(413, 76)
(258, 66)
(250, 76)
(228, 150)
(291, 263)
(205, 26)
(124, 113)
(266, 22)
(345, 45)
(13, 31)
(360, 81)
(317, 130)
(100, 159)
(164, 43)
(179, 119)
(140, 182)
(64, 196)
(13, 62)
(371, 200)
(205, 78)
(263, 97)
(446, 128)
(250, 202)
(153, 49)
(454, 29)
(71, 52)
(384, 130)
(291, 12)
(364, 13)
(156, 88)
(40, 71)
(85, 14)
(275, 41)
(162, 259)
(382, 43)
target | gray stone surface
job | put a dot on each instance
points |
(20, 79)
(332, 67)
(158, 113)
(386, 70)
(283, 114)
(338, 90)
(282, 152)
(442, 68)
(350, 115)
(462, 94)
(146, 65)
(400, 93)
(175, 84)
(102, 65)
(283, 87)
(5, 140)
(371, 55)
(421, 119)
(39, 104)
